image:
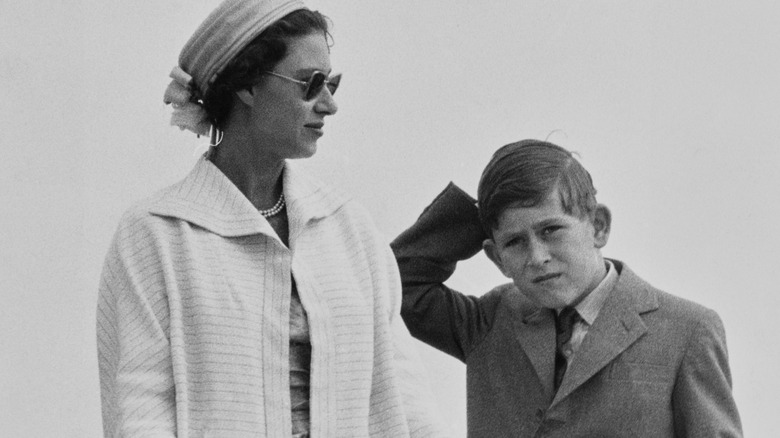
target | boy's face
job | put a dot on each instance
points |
(552, 257)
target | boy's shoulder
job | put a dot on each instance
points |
(647, 297)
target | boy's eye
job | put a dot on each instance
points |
(512, 242)
(546, 231)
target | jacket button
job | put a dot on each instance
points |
(540, 413)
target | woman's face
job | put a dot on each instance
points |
(285, 125)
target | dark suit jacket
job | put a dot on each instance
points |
(651, 365)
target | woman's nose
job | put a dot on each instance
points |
(326, 104)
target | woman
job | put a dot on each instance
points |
(249, 299)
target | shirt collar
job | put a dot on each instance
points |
(591, 305)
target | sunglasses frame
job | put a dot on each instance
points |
(332, 82)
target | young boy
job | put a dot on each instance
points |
(578, 345)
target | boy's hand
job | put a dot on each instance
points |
(448, 229)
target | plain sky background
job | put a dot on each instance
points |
(672, 105)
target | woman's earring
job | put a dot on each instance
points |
(216, 136)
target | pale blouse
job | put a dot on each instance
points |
(193, 318)
(300, 366)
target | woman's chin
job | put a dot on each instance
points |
(303, 151)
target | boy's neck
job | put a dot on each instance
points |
(598, 278)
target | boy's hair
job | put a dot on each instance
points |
(525, 173)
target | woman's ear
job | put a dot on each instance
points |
(489, 246)
(602, 223)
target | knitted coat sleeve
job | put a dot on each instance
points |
(421, 413)
(136, 381)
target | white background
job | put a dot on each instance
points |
(673, 106)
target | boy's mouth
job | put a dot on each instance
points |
(543, 278)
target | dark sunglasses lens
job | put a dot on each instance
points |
(333, 83)
(315, 85)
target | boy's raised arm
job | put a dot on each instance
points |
(447, 231)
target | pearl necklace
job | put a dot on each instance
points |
(273, 211)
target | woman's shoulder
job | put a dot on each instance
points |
(336, 208)
(140, 208)
(317, 197)
(137, 221)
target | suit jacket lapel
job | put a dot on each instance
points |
(618, 325)
(536, 334)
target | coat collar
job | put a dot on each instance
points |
(618, 325)
(208, 199)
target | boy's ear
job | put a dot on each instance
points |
(246, 96)
(602, 223)
(489, 246)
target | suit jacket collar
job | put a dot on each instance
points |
(618, 325)
(208, 199)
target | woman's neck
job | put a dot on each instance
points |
(258, 177)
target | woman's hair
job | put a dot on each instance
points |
(525, 173)
(261, 54)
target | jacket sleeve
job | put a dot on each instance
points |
(136, 378)
(411, 377)
(447, 231)
(702, 400)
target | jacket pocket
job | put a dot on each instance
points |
(640, 372)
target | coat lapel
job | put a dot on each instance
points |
(536, 334)
(618, 325)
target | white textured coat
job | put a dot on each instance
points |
(193, 318)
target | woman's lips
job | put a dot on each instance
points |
(316, 127)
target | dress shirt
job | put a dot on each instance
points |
(589, 309)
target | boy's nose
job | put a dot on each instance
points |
(538, 253)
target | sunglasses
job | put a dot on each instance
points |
(315, 83)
